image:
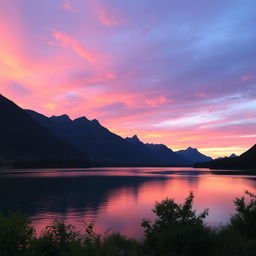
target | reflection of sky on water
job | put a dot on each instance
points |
(116, 198)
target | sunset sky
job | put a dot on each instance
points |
(181, 73)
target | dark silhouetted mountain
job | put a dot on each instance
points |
(91, 137)
(103, 146)
(193, 155)
(64, 119)
(246, 161)
(160, 152)
(24, 139)
(134, 140)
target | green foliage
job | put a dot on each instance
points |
(118, 245)
(177, 231)
(230, 243)
(61, 240)
(15, 234)
(169, 213)
(238, 238)
(57, 239)
(244, 220)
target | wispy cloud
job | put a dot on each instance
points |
(108, 16)
(68, 41)
(69, 6)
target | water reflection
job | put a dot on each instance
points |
(116, 198)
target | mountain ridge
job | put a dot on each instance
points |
(24, 139)
(27, 134)
(101, 144)
(193, 155)
(162, 152)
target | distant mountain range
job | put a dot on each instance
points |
(231, 156)
(28, 138)
(245, 161)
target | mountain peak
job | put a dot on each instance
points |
(191, 149)
(81, 119)
(61, 118)
(193, 155)
(95, 121)
(133, 139)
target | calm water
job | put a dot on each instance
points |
(116, 198)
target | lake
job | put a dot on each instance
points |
(116, 198)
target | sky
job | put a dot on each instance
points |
(177, 72)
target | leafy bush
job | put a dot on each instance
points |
(57, 239)
(244, 220)
(15, 234)
(178, 230)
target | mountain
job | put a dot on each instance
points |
(231, 156)
(159, 152)
(245, 161)
(134, 140)
(103, 146)
(193, 155)
(25, 140)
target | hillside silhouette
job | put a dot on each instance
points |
(105, 147)
(245, 161)
(193, 155)
(30, 139)
(24, 139)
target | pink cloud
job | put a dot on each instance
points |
(108, 17)
(69, 6)
(249, 77)
(156, 101)
(68, 41)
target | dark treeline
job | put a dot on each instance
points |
(177, 231)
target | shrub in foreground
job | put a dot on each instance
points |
(178, 230)
(16, 234)
(244, 220)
